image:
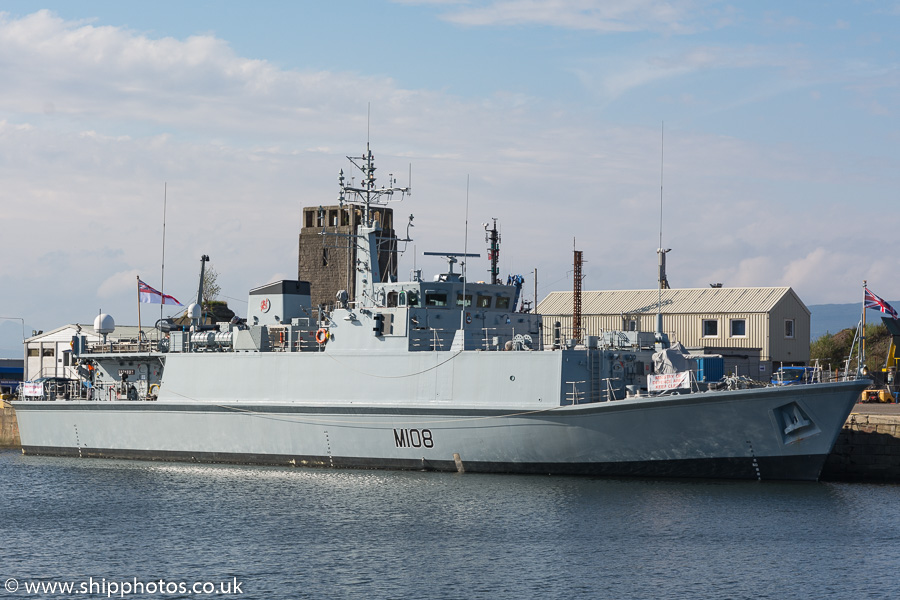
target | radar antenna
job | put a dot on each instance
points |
(451, 258)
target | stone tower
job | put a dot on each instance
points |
(328, 261)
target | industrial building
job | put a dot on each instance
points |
(11, 371)
(49, 354)
(756, 330)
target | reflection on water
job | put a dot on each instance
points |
(306, 533)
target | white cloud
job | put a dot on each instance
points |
(612, 77)
(671, 16)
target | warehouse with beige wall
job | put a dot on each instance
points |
(757, 330)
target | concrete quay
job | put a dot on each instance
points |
(9, 427)
(868, 448)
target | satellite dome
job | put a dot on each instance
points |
(104, 324)
(194, 311)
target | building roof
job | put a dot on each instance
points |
(682, 301)
(65, 332)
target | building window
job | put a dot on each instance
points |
(710, 328)
(631, 325)
(33, 352)
(47, 352)
(789, 329)
(739, 328)
(324, 257)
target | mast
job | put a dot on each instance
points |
(492, 237)
(367, 196)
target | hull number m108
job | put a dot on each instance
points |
(413, 438)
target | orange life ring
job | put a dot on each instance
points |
(322, 335)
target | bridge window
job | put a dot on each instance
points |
(484, 301)
(503, 302)
(459, 299)
(435, 299)
(412, 298)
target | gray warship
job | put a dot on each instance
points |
(438, 375)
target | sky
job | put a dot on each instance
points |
(761, 136)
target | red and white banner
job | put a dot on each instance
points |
(669, 381)
(30, 388)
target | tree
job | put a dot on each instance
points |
(210, 288)
(833, 350)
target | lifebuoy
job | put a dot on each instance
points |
(322, 335)
(153, 392)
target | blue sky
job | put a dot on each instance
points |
(780, 160)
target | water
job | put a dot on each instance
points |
(295, 533)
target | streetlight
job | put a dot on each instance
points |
(23, 328)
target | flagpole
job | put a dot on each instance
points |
(862, 335)
(162, 283)
(139, 310)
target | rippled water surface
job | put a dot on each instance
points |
(295, 533)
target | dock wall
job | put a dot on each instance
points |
(9, 427)
(868, 449)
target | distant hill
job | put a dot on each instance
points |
(831, 318)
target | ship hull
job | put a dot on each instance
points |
(767, 434)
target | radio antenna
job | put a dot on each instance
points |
(661, 252)
(462, 314)
(662, 149)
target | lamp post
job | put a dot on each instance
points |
(23, 328)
